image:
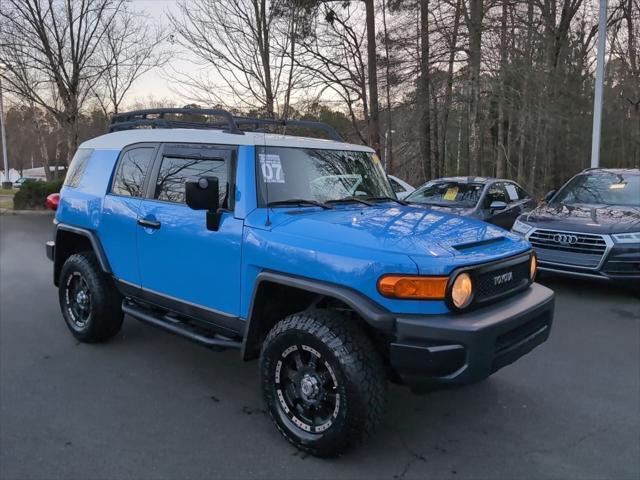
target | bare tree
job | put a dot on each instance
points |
(51, 50)
(253, 70)
(129, 49)
(424, 92)
(332, 59)
(474, 15)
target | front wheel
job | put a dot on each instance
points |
(323, 381)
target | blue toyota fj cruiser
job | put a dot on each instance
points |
(295, 251)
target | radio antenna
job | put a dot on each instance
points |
(263, 167)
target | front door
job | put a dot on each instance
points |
(503, 218)
(183, 265)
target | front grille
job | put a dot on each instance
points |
(585, 250)
(500, 279)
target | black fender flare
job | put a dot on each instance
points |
(371, 312)
(94, 240)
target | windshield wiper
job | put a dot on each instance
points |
(351, 200)
(299, 201)
(386, 199)
(436, 204)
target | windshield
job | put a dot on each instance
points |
(601, 188)
(318, 175)
(448, 194)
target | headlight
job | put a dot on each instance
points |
(533, 267)
(462, 291)
(633, 237)
(521, 227)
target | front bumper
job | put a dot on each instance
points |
(439, 350)
(621, 263)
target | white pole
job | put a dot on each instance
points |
(597, 99)
(7, 180)
(4, 138)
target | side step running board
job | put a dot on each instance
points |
(177, 327)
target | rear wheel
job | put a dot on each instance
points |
(323, 381)
(90, 303)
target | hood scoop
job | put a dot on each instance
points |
(461, 247)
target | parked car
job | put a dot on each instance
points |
(590, 227)
(20, 181)
(401, 188)
(294, 251)
(492, 200)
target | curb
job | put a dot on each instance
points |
(10, 211)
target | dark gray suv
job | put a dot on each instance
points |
(590, 227)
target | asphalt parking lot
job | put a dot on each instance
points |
(150, 405)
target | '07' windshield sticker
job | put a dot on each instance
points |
(271, 168)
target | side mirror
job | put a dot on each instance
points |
(203, 193)
(497, 205)
(549, 195)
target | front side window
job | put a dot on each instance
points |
(77, 167)
(175, 171)
(319, 175)
(448, 194)
(132, 169)
(396, 186)
(607, 188)
(495, 194)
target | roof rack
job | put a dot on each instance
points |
(257, 123)
(140, 118)
(156, 118)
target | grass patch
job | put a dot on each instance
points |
(8, 191)
(6, 203)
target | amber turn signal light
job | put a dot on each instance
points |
(416, 288)
(533, 268)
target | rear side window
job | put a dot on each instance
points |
(174, 172)
(132, 169)
(77, 167)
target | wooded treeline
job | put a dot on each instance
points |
(482, 87)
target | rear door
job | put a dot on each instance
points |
(184, 266)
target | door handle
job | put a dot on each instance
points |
(143, 222)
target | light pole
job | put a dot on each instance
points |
(597, 98)
(6, 183)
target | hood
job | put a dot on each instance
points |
(419, 233)
(605, 219)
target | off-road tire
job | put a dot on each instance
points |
(103, 310)
(361, 385)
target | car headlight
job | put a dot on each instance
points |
(462, 291)
(632, 237)
(521, 227)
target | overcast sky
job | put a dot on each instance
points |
(153, 83)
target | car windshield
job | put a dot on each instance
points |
(286, 173)
(607, 188)
(448, 194)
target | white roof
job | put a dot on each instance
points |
(119, 140)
